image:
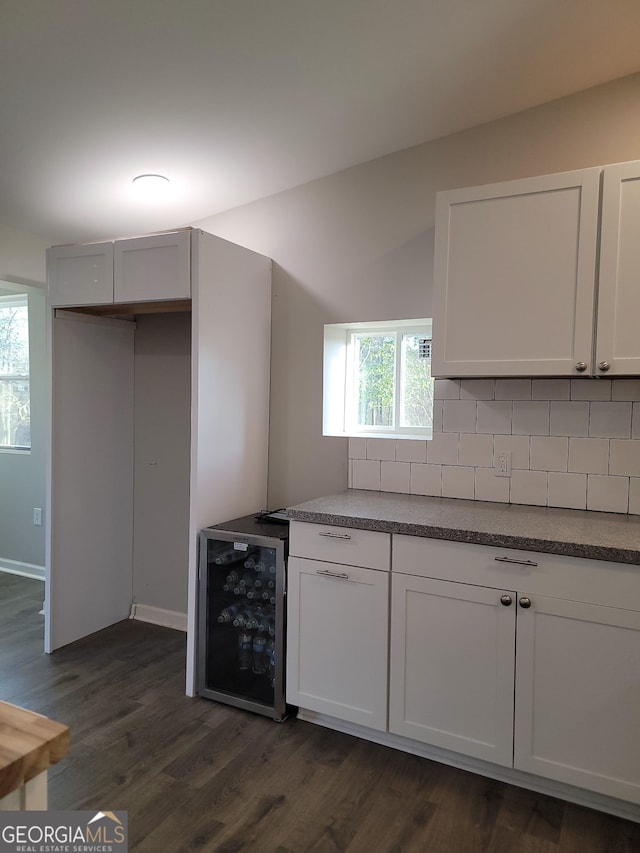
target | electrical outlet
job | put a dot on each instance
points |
(37, 516)
(502, 466)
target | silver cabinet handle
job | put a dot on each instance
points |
(327, 573)
(581, 366)
(515, 562)
(506, 600)
(525, 602)
(604, 366)
(335, 535)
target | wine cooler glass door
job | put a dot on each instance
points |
(243, 639)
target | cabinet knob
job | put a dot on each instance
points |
(506, 600)
(581, 366)
(604, 366)
(525, 602)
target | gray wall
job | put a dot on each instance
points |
(162, 460)
(22, 476)
(358, 245)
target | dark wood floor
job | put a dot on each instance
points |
(197, 775)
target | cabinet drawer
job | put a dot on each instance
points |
(533, 572)
(367, 548)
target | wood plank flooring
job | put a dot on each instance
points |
(195, 775)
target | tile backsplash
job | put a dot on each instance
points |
(572, 443)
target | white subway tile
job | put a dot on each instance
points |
(477, 389)
(443, 449)
(493, 417)
(357, 448)
(634, 495)
(567, 490)
(476, 450)
(549, 453)
(529, 487)
(591, 389)
(530, 417)
(517, 446)
(366, 474)
(426, 479)
(550, 389)
(589, 455)
(446, 389)
(635, 425)
(625, 389)
(459, 416)
(409, 450)
(350, 474)
(395, 477)
(457, 482)
(607, 494)
(569, 418)
(624, 457)
(438, 407)
(513, 389)
(488, 487)
(381, 448)
(610, 420)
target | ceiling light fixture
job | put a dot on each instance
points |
(151, 185)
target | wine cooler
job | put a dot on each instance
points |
(241, 613)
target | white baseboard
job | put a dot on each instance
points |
(27, 570)
(159, 616)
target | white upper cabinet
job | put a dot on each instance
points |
(618, 341)
(152, 268)
(143, 269)
(80, 275)
(514, 277)
(517, 287)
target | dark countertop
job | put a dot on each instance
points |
(576, 533)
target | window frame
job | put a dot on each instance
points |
(340, 401)
(19, 300)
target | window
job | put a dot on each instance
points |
(15, 419)
(377, 379)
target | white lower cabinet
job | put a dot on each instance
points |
(571, 713)
(524, 661)
(337, 654)
(452, 666)
(577, 711)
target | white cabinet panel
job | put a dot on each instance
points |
(618, 341)
(367, 548)
(452, 666)
(80, 275)
(152, 268)
(337, 626)
(91, 508)
(514, 277)
(578, 695)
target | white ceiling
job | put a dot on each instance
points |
(239, 99)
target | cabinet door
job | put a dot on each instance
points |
(618, 342)
(337, 641)
(452, 666)
(578, 695)
(80, 275)
(514, 277)
(149, 269)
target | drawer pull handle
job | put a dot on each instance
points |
(335, 535)
(327, 573)
(515, 562)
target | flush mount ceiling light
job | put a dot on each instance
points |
(151, 186)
